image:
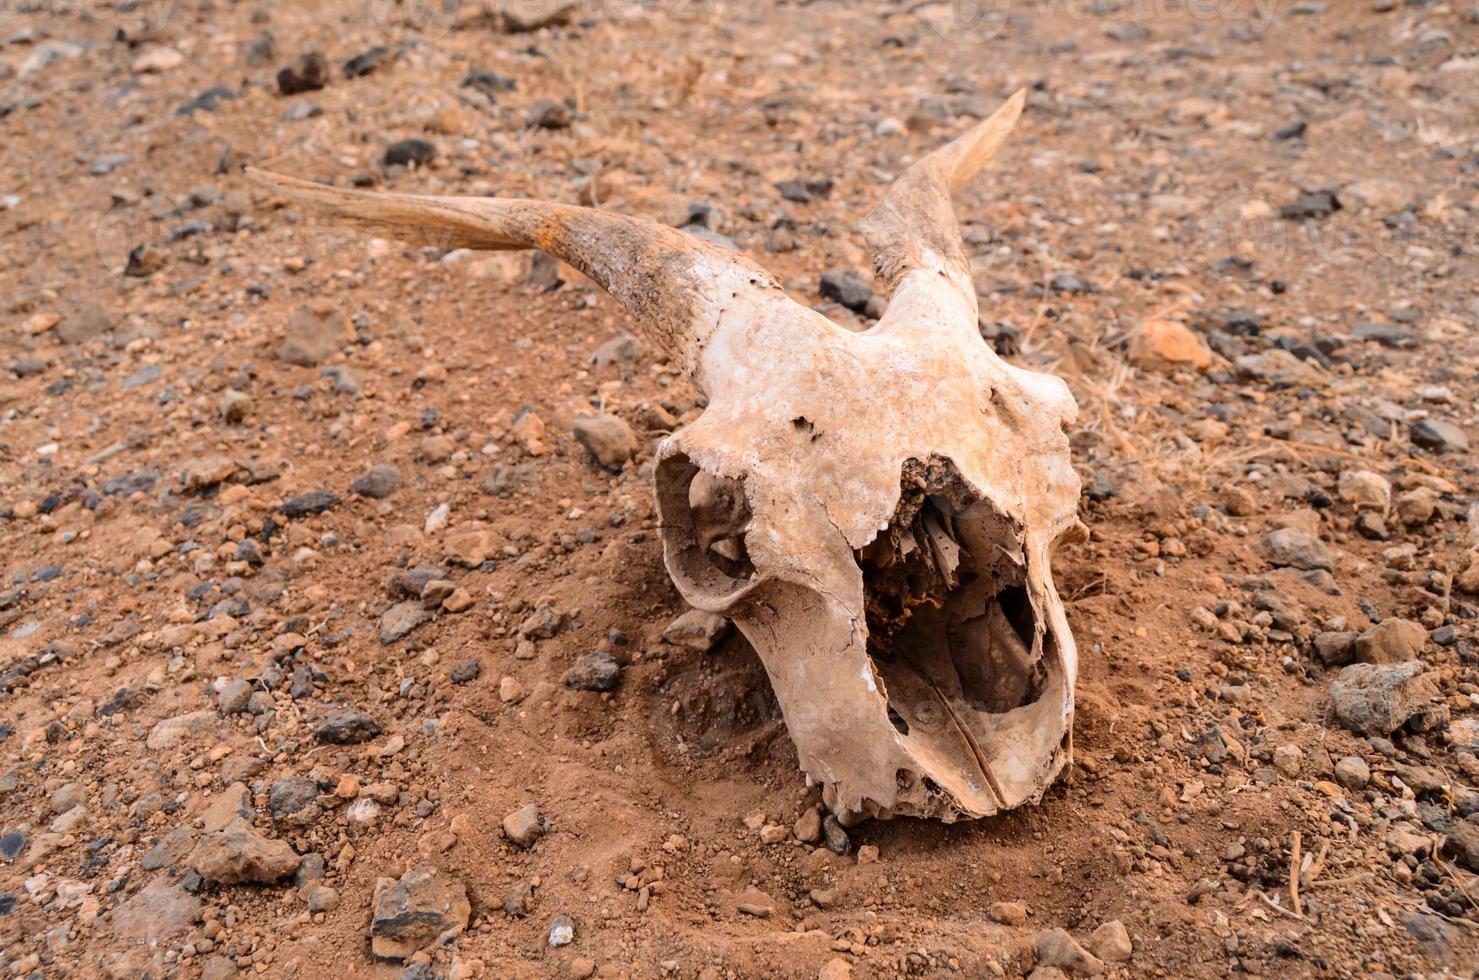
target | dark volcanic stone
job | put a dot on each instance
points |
(313, 502)
(346, 726)
(308, 74)
(367, 62)
(1316, 204)
(406, 152)
(847, 288)
(593, 672)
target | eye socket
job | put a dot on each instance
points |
(704, 522)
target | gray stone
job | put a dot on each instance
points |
(1292, 548)
(524, 826)
(1440, 435)
(346, 726)
(400, 619)
(597, 671)
(290, 795)
(156, 914)
(607, 438)
(313, 335)
(697, 630)
(170, 850)
(377, 483)
(239, 855)
(1352, 772)
(234, 696)
(1377, 699)
(1056, 948)
(413, 912)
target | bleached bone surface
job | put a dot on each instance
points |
(877, 511)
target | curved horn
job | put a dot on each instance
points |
(914, 227)
(676, 285)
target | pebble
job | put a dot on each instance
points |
(378, 482)
(561, 931)
(1391, 641)
(846, 288)
(313, 334)
(466, 672)
(412, 912)
(346, 726)
(519, 900)
(237, 855)
(1365, 490)
(1352, 772)
(309, 73)
(1377, 699)
(160, 911)
(1292, 548)
(524, 826)
(596, 671)
(696, 629)
(410, 152)
(1007, 913)
(400, 619)
(307, 504)
(548, 114)
(834, 836)
(607, 438)
(1056, 948)
(1111, 942)
(1440, 436)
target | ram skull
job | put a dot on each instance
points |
(876, 510)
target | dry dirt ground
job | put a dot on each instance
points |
(1243, 230)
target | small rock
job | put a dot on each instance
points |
(1007, 913)
(157, 913)
(808, 826)
(307, 504)
(1440, 436)
(1290, 547)
(411, 152)
(290, 795)
(322, 898)
(523, 826)
(1168, 344)
(1392, 641)
(1365, 490)
(1056, 948)
(314, 333)
(834, 836)
(466, 672)
(1377, 699)
(400, 619)
(1289, 760)
(607, 438)
(1111, 942)
(413, 912)
(1352, 772)
(561, 931)
(519, 900)
(346, 726)
(846, 288)
(235, 407)
(596, 671)
(234, 696)
(548, 114)
(307, 74)
(697, 630)
(239, 855)
(377, 483)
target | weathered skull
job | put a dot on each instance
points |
(877, 511)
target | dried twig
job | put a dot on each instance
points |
(1294, 876)
(1337, 882)
(1279, 908)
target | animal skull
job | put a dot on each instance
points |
(877, 511)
